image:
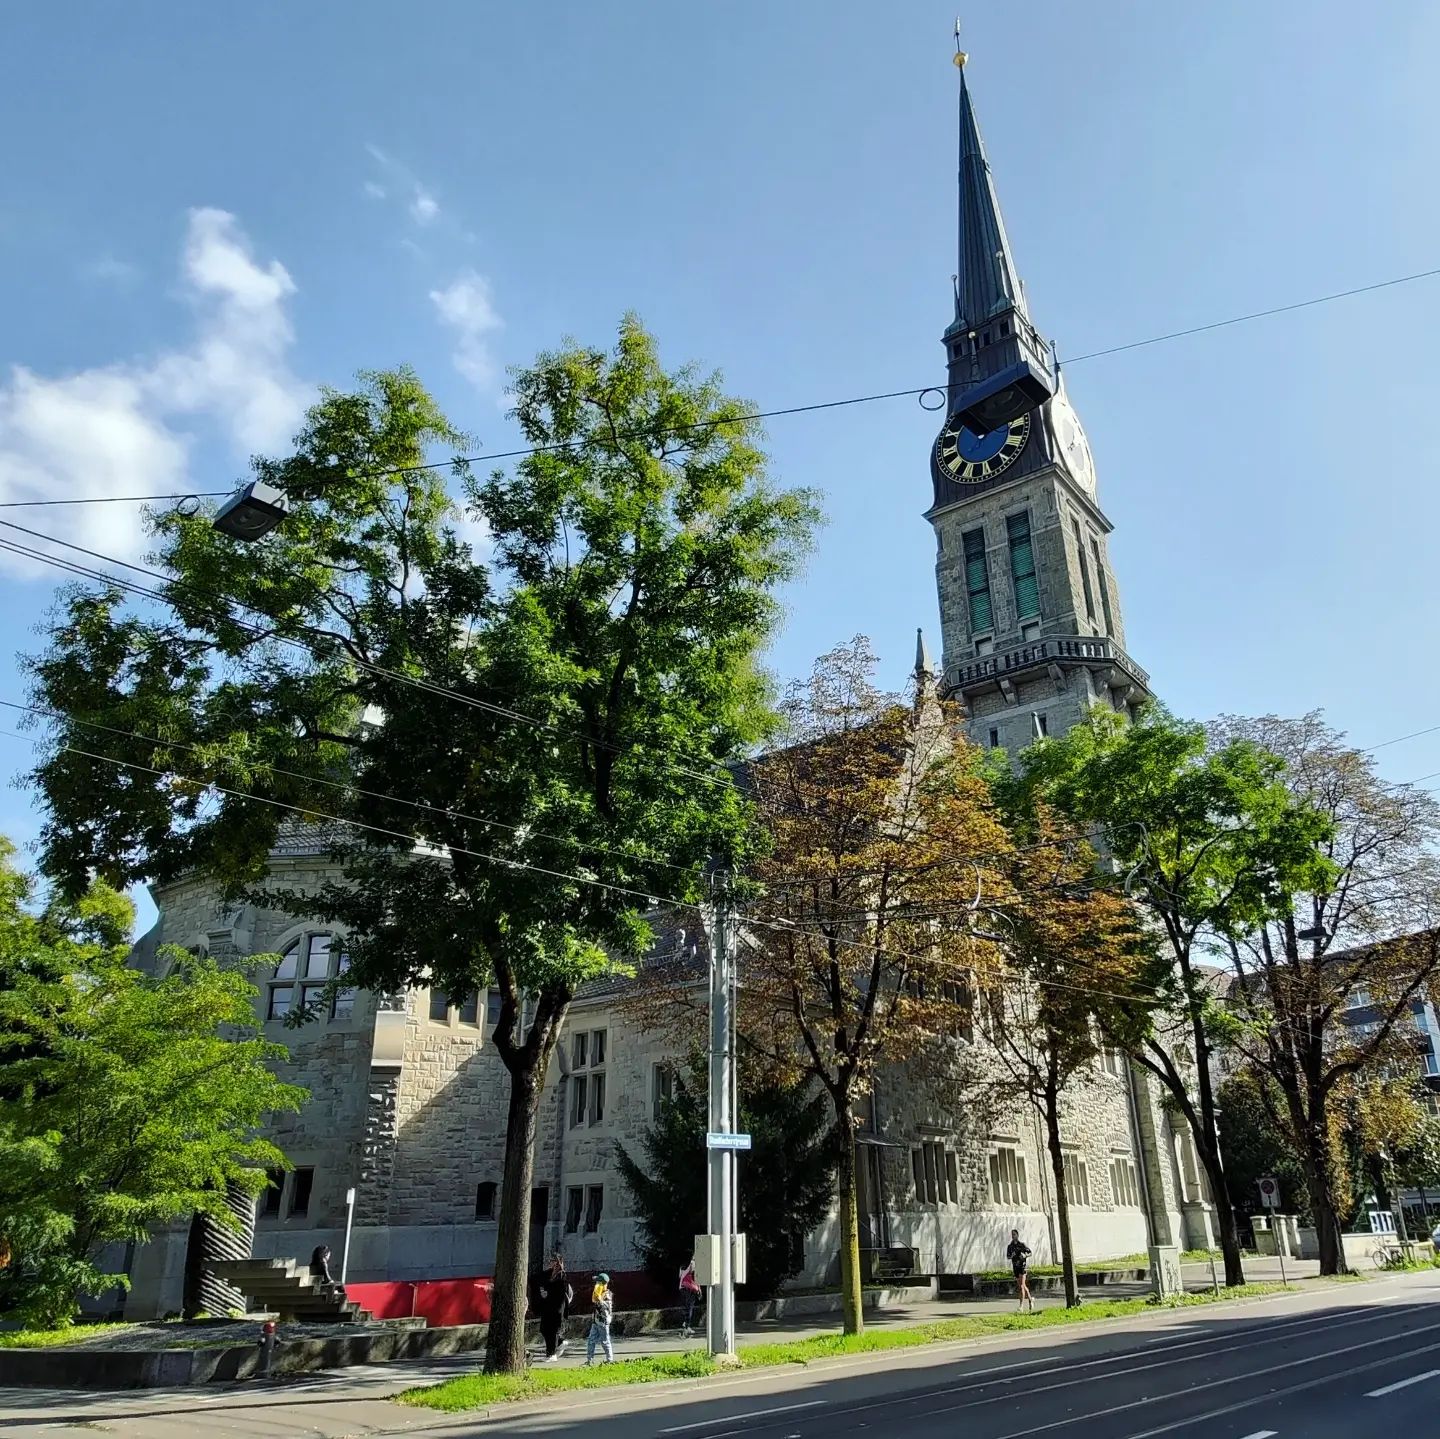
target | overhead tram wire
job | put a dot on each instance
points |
(525, 830)
(86, 572)
(650, 899)
(220, 608)
(506, 712)
(458, 460)
(240, 604)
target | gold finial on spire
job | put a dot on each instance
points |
(960, 56)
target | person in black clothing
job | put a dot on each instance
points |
(1018, 1253)
(320, 1268)
(553, 1291)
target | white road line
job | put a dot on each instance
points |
(1196, 1388)
(736, 1418)
(1403, 1384)
(1262, 1434)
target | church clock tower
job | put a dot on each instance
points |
(1029, 607)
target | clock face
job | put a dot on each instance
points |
(968, 458)
(1074, 449)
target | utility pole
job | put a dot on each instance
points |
(720, 1157)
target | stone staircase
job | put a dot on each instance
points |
(285, 1287)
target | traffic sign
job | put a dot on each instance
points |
(727, 1141)
(1269, 1192)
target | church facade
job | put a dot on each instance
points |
(408, 1096)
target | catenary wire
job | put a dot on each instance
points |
(812, 408)
(650, 899)
(85, 572)
(526, 831)
(398, 676)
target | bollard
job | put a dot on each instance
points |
(267, 1349)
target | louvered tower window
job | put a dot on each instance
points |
(1022, 566)
(977, 581)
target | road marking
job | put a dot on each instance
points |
(1403, 1384)
(1194, 1389)
(1262, 1434)
(736, 1418)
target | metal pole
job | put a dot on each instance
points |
(720, 1309)
(349, 1222)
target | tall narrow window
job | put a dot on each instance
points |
(594, 1207)
(1104, 586)
(485, 1199)
(977, 581)
(574, 1208)
(301, 1183)
(1022, 566)
(1084, 573)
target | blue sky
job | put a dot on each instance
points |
(206, 211)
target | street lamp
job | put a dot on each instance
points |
(251, 512)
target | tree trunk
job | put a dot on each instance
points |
(1225, 1225)
(1207, 1141)
(851, 1293)
(1316, 1159)
(505, 1344)
(1062, 1199)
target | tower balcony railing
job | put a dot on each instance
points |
(1097, 651)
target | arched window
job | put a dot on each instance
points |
(307, 965)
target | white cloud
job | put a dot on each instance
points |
(108, 270)
(112, 429)
(400, 181)
(465, 306)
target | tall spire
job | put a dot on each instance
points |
(987, 282)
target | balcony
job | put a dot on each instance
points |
(1096, 653)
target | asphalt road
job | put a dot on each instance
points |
(1351, 1362)
(1366, 1366)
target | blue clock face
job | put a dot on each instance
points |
(979, 449)
(968, 457)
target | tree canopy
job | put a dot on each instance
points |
(512, 745)
(126, 1100)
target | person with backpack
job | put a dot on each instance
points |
(555, 1297)
(690, 1297)
(1018, 1253)
(602, 1311)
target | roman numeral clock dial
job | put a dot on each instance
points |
(967, 457)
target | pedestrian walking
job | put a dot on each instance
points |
(555, 1296)
(690, 1297)
(1018, 1253)
(602, 1311)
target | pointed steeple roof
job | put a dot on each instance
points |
(987, 281)
(924, 665)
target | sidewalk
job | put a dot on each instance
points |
(343, 1403)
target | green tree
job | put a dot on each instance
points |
(1326, 974)
(534, 739)
(121, 1105)
(1075, 949)
(786, 1179)
(1209, 840)
(860, 955)
(1254, 1142)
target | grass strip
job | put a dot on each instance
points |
(477, 1391)
(49, 1338)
